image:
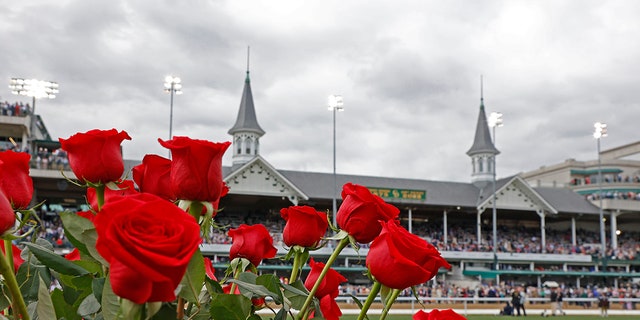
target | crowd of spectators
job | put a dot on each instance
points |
(17, 109)
(606, 178)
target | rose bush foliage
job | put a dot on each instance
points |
(137, 253)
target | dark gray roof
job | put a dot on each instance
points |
(247, 120)
(482, 143)
(440, 193)
(567, 201)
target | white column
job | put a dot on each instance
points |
(410, 221)
(479, 224)
(445, 235)
(573, 231)
(543, 240)
(614, 228)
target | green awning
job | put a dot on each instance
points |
(576, 172)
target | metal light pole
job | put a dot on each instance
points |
(600, 131)
(172, 85)
(35, 89)
(335, 104)
(495, 120)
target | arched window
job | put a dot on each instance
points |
(480, 165)
(238, 145)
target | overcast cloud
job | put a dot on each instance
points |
(409, 72)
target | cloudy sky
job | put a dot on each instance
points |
(409, 72)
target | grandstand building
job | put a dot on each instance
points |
(547, 219)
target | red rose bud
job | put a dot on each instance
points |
(14, 178)
(148, 242)
(125, 188)
(95, 156)
(436, 314)
(196, 168)
(251, 242)
(7, 216)
(152, 176)
(330, 282)
(399, 259)
(360, 212)
(305, 226)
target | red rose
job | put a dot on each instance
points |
(152, 176)
(251, 242)
(330, 309)
(17, 259)
(96, 156)
(148, 242)
(209, 270)
(330, 282)
(436, 314)
(74, 255)
(196, 168)
(7, 216)
(87, 214)
(305, 226)
(14, 178)
(125, 188)
(399, 259)
(360, 211)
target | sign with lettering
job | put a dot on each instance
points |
(400, 194)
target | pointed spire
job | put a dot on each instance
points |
(247, 120)
(482, 142)
(248, 54)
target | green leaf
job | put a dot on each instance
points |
(296, 293)
(110, 303)
(83, 230)
(272, 283)
(44, 308)
(230, 307)
(63, 309)
(55, 262)
(97, 286)
(28, 278)
(191, 283)
(89, 306)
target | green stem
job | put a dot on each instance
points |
(8, 251)
(236, 276)
(195, 210)
(370, 298)
(297, 265)
(11, 283)
(392, 299)
(343, 243)
(100, 196)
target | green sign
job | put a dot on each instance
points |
(404, 194)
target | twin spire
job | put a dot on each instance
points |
(246, 131)
(483, 151)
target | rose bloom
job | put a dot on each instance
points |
(196, 168)
(7, 216)
(148, 242)
(95, 156)
(125, 188)
(360, 211)
(152, 176)
(251, 242)
(399, 259)
(328, 289)
(305, 226)
(436, 314)
(330, 282)
(14, 178)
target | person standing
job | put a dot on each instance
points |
(515, 301)
(522, 295)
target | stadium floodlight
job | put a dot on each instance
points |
(36, 89)
(172, 85)
(336, 103)
(599, 132)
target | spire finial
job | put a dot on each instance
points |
(248, 55)
(481, 90)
